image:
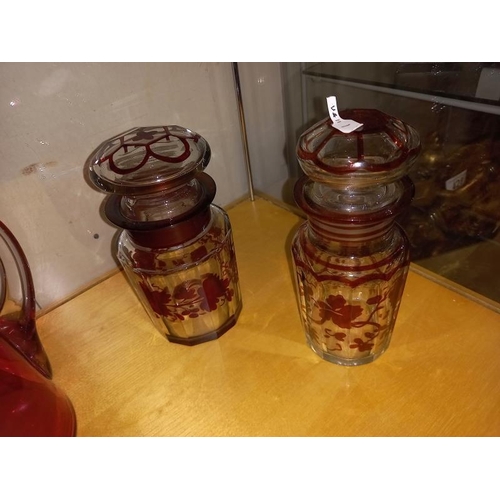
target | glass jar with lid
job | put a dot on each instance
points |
(176, 246)
(351, 258)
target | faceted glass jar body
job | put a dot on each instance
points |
(351, 259)
(190, 291)
(349, 295)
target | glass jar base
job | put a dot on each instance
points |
(206, 337)
(345, 361)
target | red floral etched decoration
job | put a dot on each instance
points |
(351, 258)
(176, 248)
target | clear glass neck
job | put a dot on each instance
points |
(164, 205)
(353, 200)
(353, 247)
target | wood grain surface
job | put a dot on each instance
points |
(439, 377)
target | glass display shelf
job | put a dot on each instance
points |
(474, 86)
(454, 219)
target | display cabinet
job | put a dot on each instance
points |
(453, 221)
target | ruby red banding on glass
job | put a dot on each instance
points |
(148, 151)
(172, 235)
(147, 159)
(373, 122)
(352, 226)
(168, 232)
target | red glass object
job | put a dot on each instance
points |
(176, 247)
(351, 258)
(30, 403)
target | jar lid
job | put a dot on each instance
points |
(380, 151)
(148, 159)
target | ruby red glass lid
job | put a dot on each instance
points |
(382, 150)
(147, 159)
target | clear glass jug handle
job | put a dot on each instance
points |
(20, 329)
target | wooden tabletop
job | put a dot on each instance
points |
(439, 377)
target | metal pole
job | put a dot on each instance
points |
(304, 93)
(243, 129)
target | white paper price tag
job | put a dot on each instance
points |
(339, 123)
(457, 181)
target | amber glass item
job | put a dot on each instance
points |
(30, 403)
(176, 247)
(351, 258)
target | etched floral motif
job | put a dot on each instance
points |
(154, 261)
(160, 302)
(350, 317)
(336, 309)
(338, 335)
(199, 253)
(144, 135)
(189, 299)
(376, 299)
(148, 260)
(362, 345)
(358, 325)
(213, 289)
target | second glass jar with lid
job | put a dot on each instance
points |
(176, 247)
(351, 258)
